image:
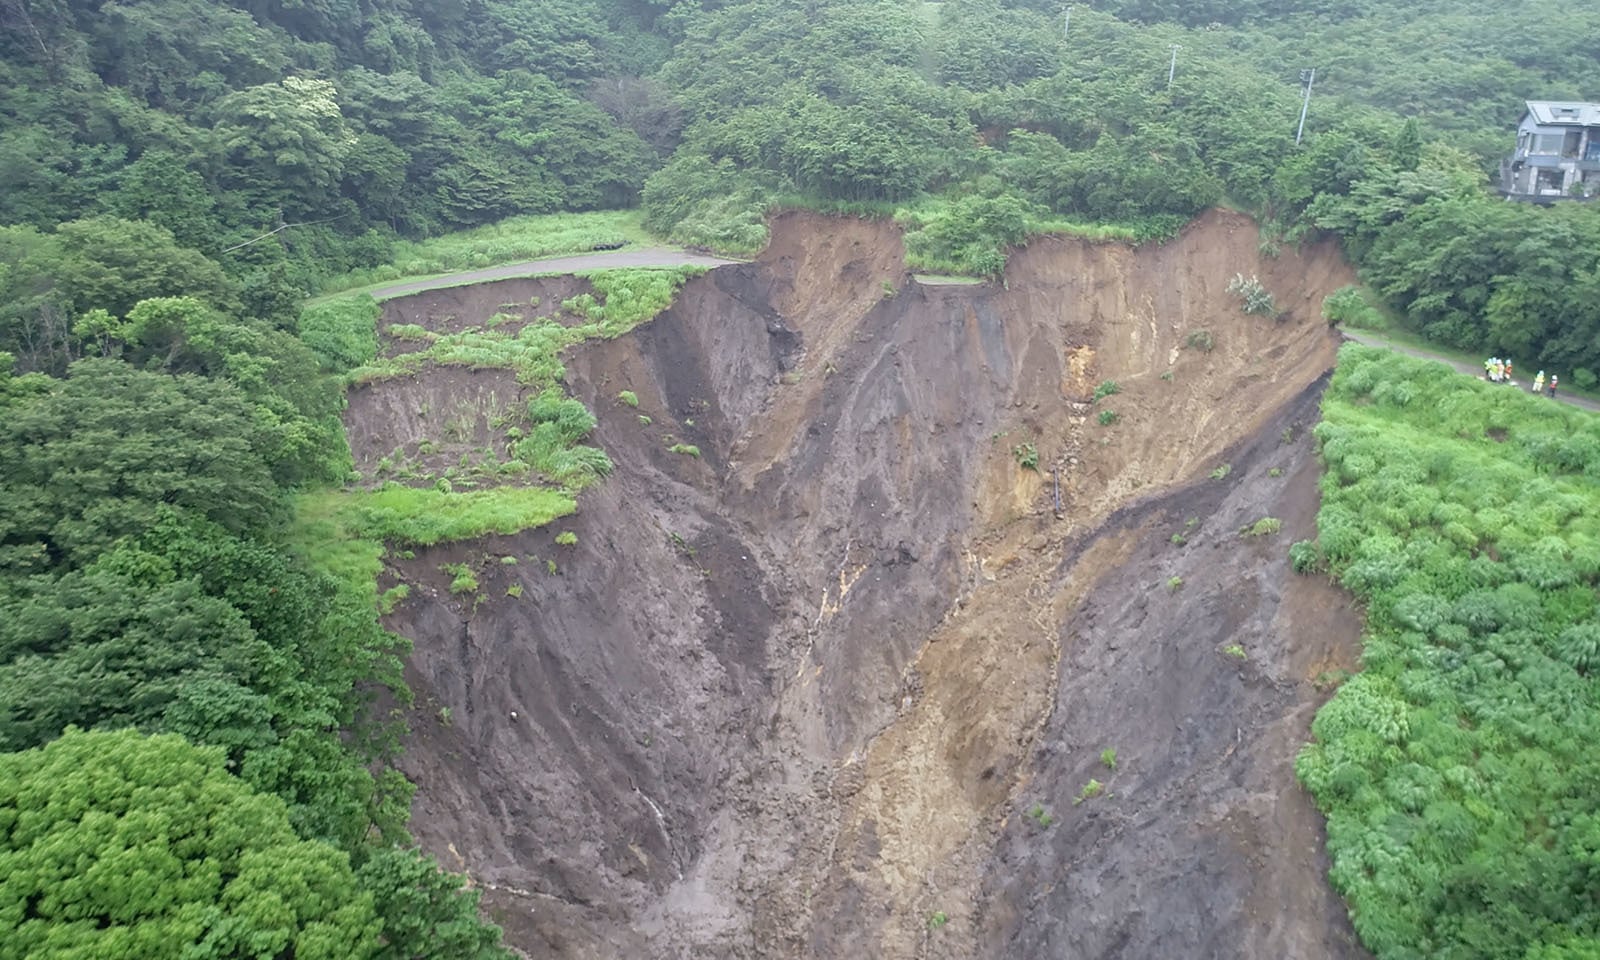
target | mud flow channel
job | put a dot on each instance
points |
(928, 653)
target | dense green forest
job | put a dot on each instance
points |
(180, 174)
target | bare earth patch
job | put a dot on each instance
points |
(846, 671)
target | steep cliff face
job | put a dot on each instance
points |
(795, 696)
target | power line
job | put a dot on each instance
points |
(307, 223)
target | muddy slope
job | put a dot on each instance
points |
(1200, 664)
(793, 697)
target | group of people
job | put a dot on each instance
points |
(1499, 371)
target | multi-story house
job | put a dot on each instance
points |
(1558, 153)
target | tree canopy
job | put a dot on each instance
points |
(119, 845)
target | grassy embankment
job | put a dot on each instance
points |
(346, 532)
(509, 241)
(1457, 770)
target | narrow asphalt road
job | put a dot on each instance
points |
(1378, 340)
(642, 257)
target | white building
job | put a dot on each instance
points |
(1558, 153)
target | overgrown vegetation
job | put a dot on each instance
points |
(1456, 769)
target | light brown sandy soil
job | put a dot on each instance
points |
(796, 697)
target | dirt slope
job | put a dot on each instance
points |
(795, 696)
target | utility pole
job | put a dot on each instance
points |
(1066, 27)
(1173, 70)
(1307, 77)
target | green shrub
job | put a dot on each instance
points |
(1107, 417)
(1108, 756)
(409, 332)
(687, 449)
(628, 397)
(391, 598)
(1027, 456)
(463, 580)
(1255, 297)
(1107, 388)
(1173, 583)
(1090, 790)
(1221, 471)
(1263, 527)
(1305, 557)
(967, 234)
(343, 333)
(1348, 306)
(567, 538)
(1201, 340)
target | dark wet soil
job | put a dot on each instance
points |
(798, 696)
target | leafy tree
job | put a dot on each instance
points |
(112, 264)
(116, 844)
(285, 143)
(424, 910)
(102, 453)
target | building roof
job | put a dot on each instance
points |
(1565, 112)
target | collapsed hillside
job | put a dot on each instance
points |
(830, 687)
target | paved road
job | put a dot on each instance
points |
(642, 257)
(1378, 340)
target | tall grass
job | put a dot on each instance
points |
(509, 241)
(343, 532)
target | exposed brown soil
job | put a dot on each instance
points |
(798, 696)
